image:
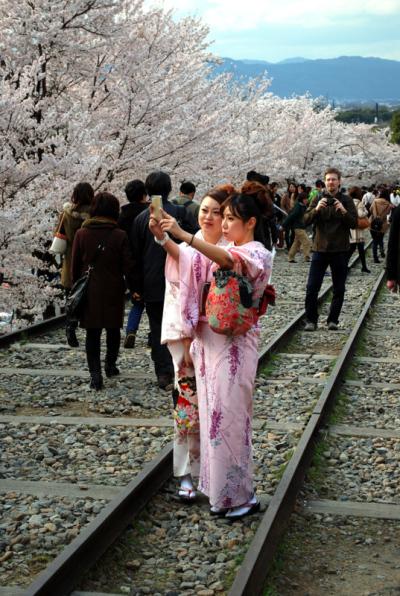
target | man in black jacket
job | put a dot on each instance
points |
(149, 270)
(137, 202)
(333, 214)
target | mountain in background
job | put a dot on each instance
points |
(295, 60)
(344, 79)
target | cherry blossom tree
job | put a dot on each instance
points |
(106, 90)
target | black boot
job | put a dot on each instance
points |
(111, 370)
(96, 381)
(361, 252)
(113, 341)
(93, 358)
(70, 331)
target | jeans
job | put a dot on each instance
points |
(320, 261)
(377, 242)
(159, 353)
(135, 314)
(113, 338)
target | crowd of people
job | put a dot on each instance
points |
(167, 254)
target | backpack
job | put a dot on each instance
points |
(376, 224)
(229, 307)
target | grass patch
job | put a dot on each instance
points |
(316, 472)
(39, 562)
(288, 544)
(231, 574)
(331, 365)
(340, 409)
(278, 472)
(351, 374)
(268, 368)
(362, 345)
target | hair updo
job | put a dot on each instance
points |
(245, 207)
(220, 193)
(262, 194)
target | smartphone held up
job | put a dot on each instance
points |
(156, 203)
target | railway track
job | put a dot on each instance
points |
(67, 405)
(349, 506)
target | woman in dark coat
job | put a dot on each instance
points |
(112, 271)
(393, 253)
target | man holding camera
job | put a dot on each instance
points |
(333, 215)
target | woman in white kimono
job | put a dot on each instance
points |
(225, 366)
(178, 333)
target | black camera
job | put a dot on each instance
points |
(330, 201)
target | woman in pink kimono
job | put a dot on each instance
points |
(225, 366)
(178, 334)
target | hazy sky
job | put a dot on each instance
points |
(273, 30)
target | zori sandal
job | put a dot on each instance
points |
(218, 511)
(253, 506)
(187, 494)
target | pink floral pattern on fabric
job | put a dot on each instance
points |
(225, 371)
(233, 360)
(216, 419)
(225, 312)
(197, 266)
(203, 363)
(229, 306)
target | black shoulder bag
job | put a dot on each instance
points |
(77, 297)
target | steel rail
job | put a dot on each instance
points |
(34, 329)
(73, 562)
(260, 555)
(60, 577)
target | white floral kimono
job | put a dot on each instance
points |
(186, 415)
(182, 285)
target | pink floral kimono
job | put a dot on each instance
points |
(225, 372)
